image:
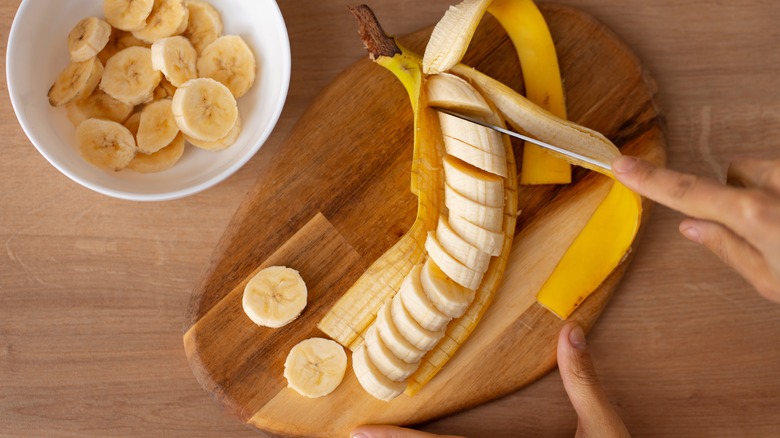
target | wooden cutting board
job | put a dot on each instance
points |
(337, 197)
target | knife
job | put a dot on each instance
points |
(560, 150)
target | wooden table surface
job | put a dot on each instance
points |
(93, 289)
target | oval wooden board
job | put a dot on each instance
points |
(338, 196)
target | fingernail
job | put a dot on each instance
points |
(577, 338)
(624, 164)
(691, 233)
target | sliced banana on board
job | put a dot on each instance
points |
(388, 364)
(176, 58)
(77, 81)
(127, 15)
(168, 18)
(460, 249)
(393, 339)
(490, 218)
(161, 160)
(478, 136)
(275, 296)
(88, 38)
(372, 380)
(205, 109)
(457, 271)
(419, 305)
(477, 185)
(98, 105)
(487, 241)
(105, 144)
(229, 60)
(204, 26)
(222, 143)
(410, 329)
(449, 297)
(476, 157)
(129, 76)
(157, 127)
(449, 91)
(315, 367)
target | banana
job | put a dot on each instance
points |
(480, 137)
(222, 143)
(393, 339)
(275, 296)
(487, 241)
(176, 59)
(315, 367)
(118, 41)
(204, 109)
(167, 18)
(105, 144)
(457, 271)
(157, 128)
(461, 250)
(127, 15)
(98, 105)
(161, 160)
(129, 76)
(490, 218)
(449, 91)
(452, 34)
(204, 26)
(419, 305)
(449, 297)
(390, 366)
(88, 38)
(410, 329)
(486, 161)
(229, 60)
(372, 380)
(76, 81)
(473, 183)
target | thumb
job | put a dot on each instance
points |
(596, 417)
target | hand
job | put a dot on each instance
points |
(739, 222)
(597, 418)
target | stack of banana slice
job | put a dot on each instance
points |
(165, 61)
(459, 250)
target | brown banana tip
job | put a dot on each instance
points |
(376, 41)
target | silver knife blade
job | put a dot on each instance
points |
(560, 150)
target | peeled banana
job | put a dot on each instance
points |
(315, 367)
(275, 296)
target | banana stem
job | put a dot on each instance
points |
(377, 42)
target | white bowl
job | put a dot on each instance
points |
(38, 52)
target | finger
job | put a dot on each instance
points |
(735, 252)
(392, 432)
(754, 173)
(704, 198)
(596, 416)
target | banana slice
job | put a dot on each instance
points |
(372, 380)
(315, 367)
(176, 58)
(105, 144)
(486, 161)
(168, 18)
(449, 91)
(88, 38)
(98, 105)
(410, 329)
(129, 76)
(393, 339)
(77, 81)
(449, 297)
(413, 297)
(161, 160)
(490, 218)
(230, 61)
(457, 271)
(204, 26)
(473, 183)
(222, 143)
(390, 366)
(204, 109)
(157, 127)
(480, 137)
(464, 252)
(127, 14)
(487, 241)
(275, 296)
(118, 41)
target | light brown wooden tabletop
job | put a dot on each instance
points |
(93, 289)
